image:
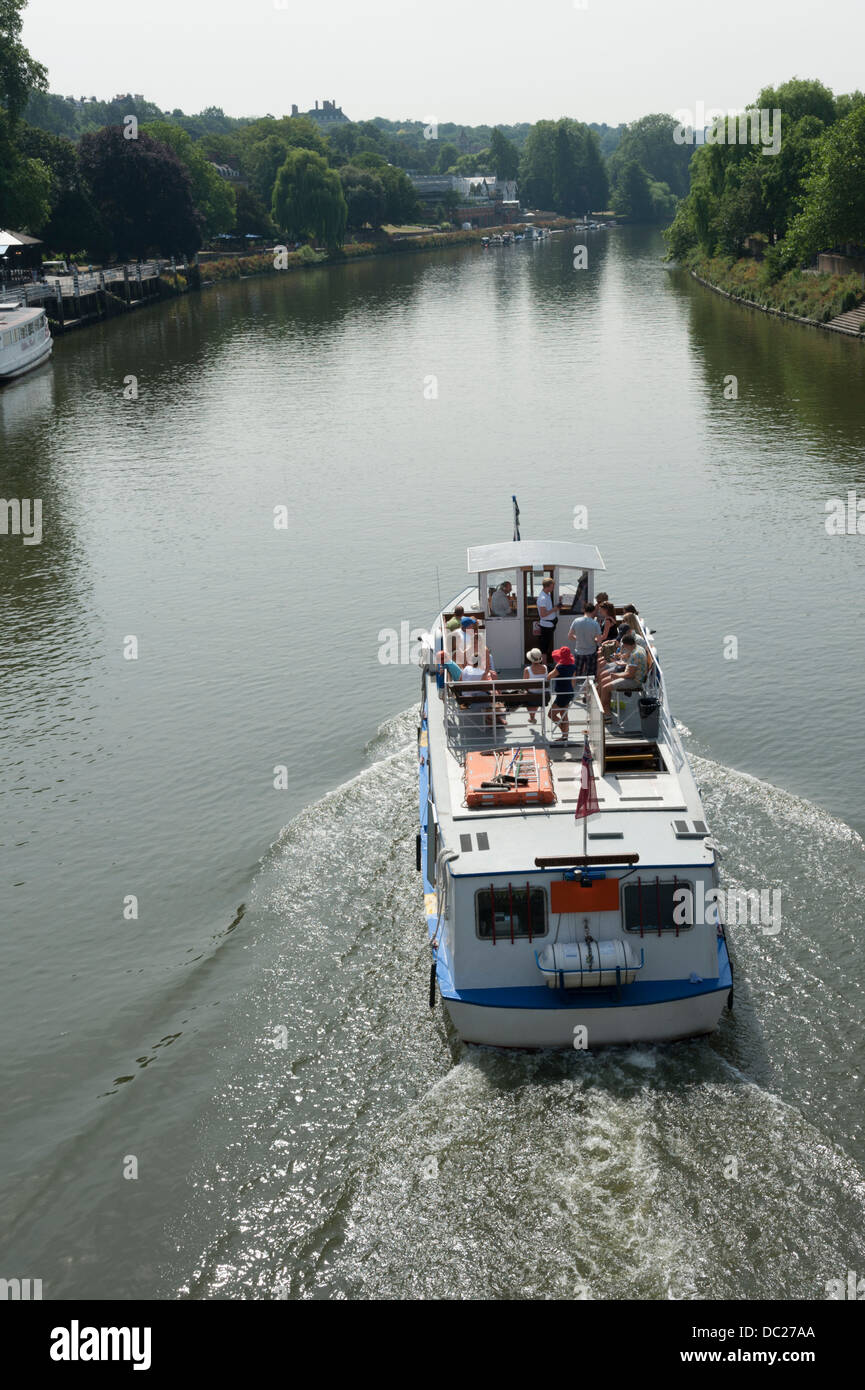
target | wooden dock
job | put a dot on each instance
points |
(78, 298)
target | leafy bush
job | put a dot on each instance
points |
(816, 297)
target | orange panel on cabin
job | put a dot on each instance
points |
(600, 896)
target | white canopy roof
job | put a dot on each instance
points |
(8, 239)
(522, 554)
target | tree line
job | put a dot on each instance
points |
(808, 197)
(124, 178)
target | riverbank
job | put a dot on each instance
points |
(800, 295)
(266, 263)
(96, 295)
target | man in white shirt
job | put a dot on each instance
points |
(584, 632)
(548, 612)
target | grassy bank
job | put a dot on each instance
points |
(806, 296)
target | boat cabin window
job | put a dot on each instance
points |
(502, 593)
(648, 901)
(501, 911)
(573, 590)
(535, 582)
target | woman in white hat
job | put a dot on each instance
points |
(536, 668)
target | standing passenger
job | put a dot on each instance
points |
(586, 633)
(548, 612)
(536, 667)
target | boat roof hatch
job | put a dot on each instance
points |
(534, 554)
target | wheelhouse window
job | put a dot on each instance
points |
(656, 904)
(573, 589)
(504, 912)
(502, 593)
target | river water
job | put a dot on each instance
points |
(241, 1091)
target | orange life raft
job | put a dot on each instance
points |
(513, 777)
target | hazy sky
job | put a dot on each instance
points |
(470, 61)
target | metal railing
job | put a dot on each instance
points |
(87, 282)
(489, 714)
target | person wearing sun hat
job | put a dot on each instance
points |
(466, 645)
(562, 677)
(537, 668)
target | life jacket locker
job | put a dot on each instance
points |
(514, 777)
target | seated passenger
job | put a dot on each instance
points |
(453, 671)
(609, 624)
(631, 677)
(562, 677)
(536, 667)
(632, 618)
(466, 641)
(454, 622)
(475, 677)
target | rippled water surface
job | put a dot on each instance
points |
(258, 1039)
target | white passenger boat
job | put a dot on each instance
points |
(25, 340)
(547, 930)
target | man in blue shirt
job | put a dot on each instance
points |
(584, 632)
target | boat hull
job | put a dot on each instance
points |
(666, 1021)
(28, 366)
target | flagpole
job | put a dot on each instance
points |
(586, 821)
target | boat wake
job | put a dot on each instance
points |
(376, 1158)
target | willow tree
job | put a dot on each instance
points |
(308, 199)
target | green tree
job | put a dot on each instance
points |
(537, 165)
(504, 156)
(649, 141)
(846, 103)
(265, 145)
(365, 197)
(632, 196)
(308, 200)
(143, 193)
(470, 164)
(562, 168)
(25, 193)
(19, 73)
(834, 201)
(447, 156)
(401, 201)
(25, 181)
(212, 195)
(450, 202)
(741, 207)
(252, 217)
(75, 226)
(797, 98)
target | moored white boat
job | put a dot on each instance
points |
(545, 930)
(25, 340)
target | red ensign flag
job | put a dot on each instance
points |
(587, 801)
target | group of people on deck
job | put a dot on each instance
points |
(626, 663)
(626, 656)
